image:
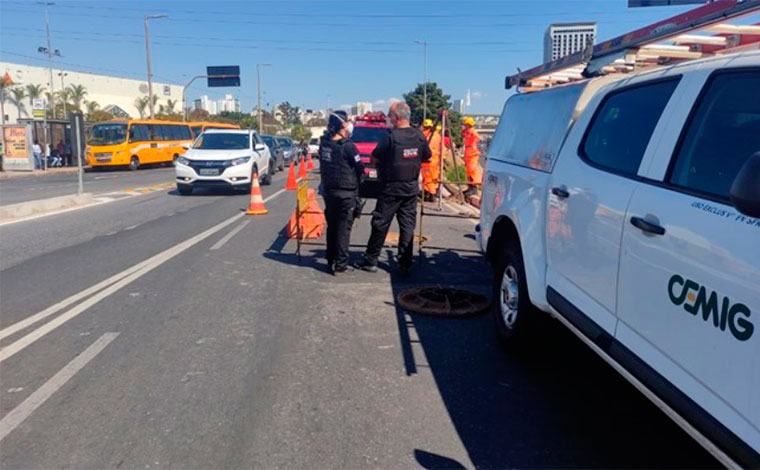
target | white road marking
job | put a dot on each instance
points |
(227, 237)
(106, 177)
(17, 415)
(109, 286)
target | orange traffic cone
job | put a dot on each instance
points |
(256, 207)
(309, 163)
(302, 169)
(291, 184)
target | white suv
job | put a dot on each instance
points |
(629, 209)
(224, 158)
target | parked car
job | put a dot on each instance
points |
(224, 158)
(277, 151)
(289, 149)
(628, 208)
(314, 147)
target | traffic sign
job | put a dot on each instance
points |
(38, 108)
(223, 75)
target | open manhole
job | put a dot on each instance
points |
(443, 301)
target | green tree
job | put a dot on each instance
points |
(33, 92)
(77, 94)
(98, 115)
(64, 96)
(198, 115)
(437, 101)
(299, 133)
(17, 95)
(170, 105)
(290, 113)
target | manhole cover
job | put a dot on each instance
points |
(392, 238)
(444, 301)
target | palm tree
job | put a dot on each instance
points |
(91, 106)
(33, 92)
(141, 104)
(169, 108)
(17, 98)
(64, 95)
(77, 94)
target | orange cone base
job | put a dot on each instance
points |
(256, 212)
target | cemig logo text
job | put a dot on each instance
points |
(696, 298)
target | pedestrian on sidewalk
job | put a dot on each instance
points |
(341, 170)
(399, 157)
(37, 150)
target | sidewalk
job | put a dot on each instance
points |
(7, 175)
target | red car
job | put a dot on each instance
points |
(368, 130)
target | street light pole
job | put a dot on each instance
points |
(52, 86)
(258, 76)
(63, 89)
(424, 77)
(147, 54)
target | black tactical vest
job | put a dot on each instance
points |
(334, 165)
(405, 161)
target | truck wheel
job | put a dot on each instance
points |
(514, 314)
(134, 163)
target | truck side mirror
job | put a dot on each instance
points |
(745, 191)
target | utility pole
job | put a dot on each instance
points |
(424, 77)
(63, 89)
(258, 76)
(49, 53)
(147, 53)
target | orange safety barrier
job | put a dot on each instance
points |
(312, 220)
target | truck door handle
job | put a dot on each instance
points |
(560, 192)
(647, 226)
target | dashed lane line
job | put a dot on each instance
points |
(227, 237)
(17, 415)
(101, 291)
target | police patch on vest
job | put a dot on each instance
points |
(410, 153)
(326, 154)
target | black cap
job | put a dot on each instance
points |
(336, 120)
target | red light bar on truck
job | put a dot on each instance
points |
(641, 47)
(377, 116)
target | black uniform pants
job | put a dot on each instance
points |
(405, 210)
(339, 213)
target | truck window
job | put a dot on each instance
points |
(721, 135)
(622, 126)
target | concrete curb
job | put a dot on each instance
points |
(11, 175)
(22, 210)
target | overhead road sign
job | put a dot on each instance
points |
(223, 75)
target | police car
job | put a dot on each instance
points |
(628, 208)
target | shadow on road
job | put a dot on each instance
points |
(559, 406)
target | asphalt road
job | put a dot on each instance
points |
(202, 341)
(24, 189)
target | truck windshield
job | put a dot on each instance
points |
(369, 134)
(215, 141)
(108, 134)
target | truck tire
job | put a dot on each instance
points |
(513, 313)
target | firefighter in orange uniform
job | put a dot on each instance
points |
(471, 154)
(431, 170)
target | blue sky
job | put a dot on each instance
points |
(339, 51)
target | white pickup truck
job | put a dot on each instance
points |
(628, 208)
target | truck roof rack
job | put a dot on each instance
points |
(702, 32)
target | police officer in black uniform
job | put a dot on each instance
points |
(399, 157)
(342, 170)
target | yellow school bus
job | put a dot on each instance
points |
(199, 127)
(136, 142)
